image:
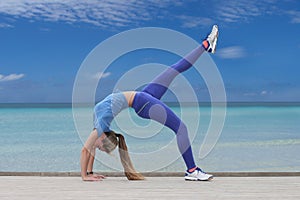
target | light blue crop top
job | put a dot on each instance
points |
(107, 109)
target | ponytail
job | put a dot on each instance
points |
(129, 170)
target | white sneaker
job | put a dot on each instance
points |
(212, 39)
(197, 175)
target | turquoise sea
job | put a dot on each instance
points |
(255, 137)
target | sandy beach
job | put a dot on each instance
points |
(71, 187)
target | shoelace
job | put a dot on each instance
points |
(200, 170)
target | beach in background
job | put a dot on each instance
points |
(255, 138)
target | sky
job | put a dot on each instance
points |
(44, 42)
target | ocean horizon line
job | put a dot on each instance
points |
(174, 104)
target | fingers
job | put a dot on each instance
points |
(94, 177)
(100, 176)
(97, 176)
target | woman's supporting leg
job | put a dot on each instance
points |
(147, 106)
(160, 84)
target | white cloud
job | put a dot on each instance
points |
(295, 15)
(100, 75)
(5, 25)
(192, 21)
(124, 13)
(11, 77)
(231, 52)
(243, 10)
(264, 92)
(103, 13)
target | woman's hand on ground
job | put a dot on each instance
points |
(97, 176)
(93, 177)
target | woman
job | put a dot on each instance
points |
(146, 104)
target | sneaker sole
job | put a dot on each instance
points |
(195, 179)
(213, 50)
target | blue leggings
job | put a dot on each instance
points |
(147, 104)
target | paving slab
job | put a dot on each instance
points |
(35, 187)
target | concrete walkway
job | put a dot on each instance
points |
(171, 188)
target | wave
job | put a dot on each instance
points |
(278, 142)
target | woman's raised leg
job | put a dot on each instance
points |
(160, 84)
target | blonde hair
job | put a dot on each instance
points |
(113, 140)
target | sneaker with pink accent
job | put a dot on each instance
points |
(197, 175)
(212, 39)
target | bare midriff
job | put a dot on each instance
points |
(129, 95)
